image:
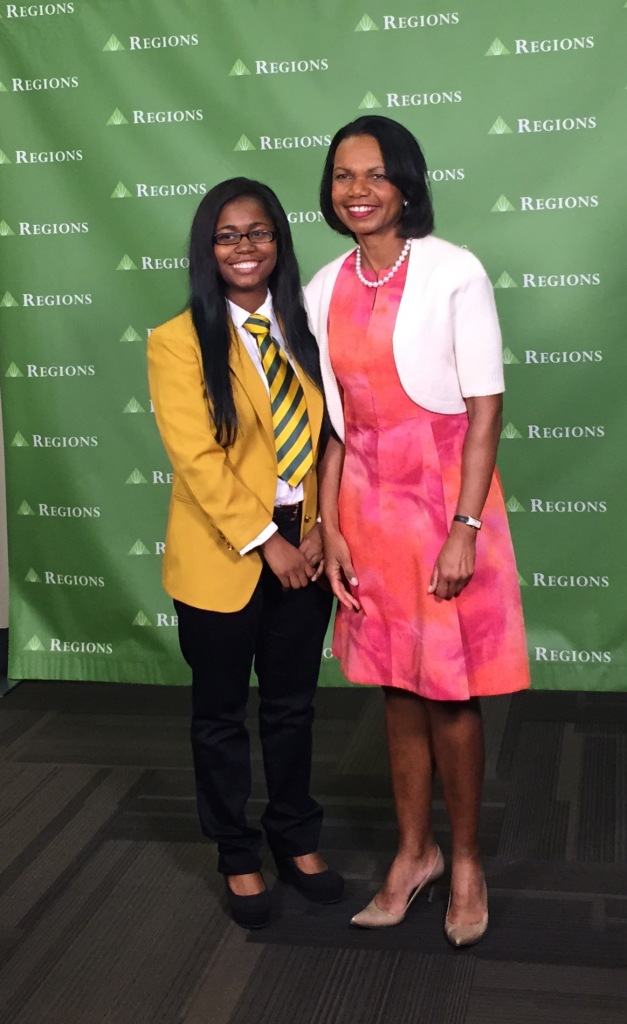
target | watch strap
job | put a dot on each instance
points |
(469, 521)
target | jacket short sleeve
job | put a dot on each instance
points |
(477, 338)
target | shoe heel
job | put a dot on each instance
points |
(431, 892)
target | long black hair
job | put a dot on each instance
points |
(405, 166)
(208, 304)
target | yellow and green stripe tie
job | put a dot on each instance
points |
(292, 436)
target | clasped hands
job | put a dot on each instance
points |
(295, 567)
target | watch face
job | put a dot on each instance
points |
(469, 521)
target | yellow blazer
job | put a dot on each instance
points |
(221, 499)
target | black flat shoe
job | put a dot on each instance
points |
(249, 911)
(323, 887)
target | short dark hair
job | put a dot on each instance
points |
(208, 306)
(405, 167)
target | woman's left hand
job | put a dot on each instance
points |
(454, 565)
(311, 548)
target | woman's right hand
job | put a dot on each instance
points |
(287, 562)
(338, 567)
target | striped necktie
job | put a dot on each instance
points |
(292, 436)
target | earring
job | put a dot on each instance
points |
(405, 202)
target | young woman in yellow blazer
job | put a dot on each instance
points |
(235, 382)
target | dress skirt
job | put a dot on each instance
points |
(399, 490)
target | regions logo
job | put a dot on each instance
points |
(510, 433)
(549, 280)
(74, 441)
(541, 505)
(528, 203)
(58, 646)
(509, 359)
(130, 334)
(574, 657)
(136, 477)
(56, 441)
(61, 579)
(60, 511)
(139, 549)
(38, 10)
(58, 156)
(117, 118)
(555, 124)
(420, 21)
(541, 579)
(162, 619)
(525, 46)
(559, 433)
(164, 263)
(525, 125)
(30, 300)
(500, 127)
(34, 370)
(113, 44)
(366, 24)
(505, 281)
(65, 228)
(415, 99)
(502, 205)
(412, 21)
(575, 356)
(290, 142)
(40, 84)
(279, 67)
(141, 619)
(560, 280)
(158, 476)
(548, 203)
(143, 190)
(126, 263)
(154, 263)
(514, 505)
(553, 45)
(133, 406)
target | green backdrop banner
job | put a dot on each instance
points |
(118, 115)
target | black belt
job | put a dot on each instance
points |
(286, 513)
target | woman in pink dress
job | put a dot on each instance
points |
(417, 545)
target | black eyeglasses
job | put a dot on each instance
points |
(255, 236)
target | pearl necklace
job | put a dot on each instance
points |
(384, 280)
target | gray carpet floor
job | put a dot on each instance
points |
(111, 911)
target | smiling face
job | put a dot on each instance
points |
(246, 267)
(363, 197)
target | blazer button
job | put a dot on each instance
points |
(307, 519)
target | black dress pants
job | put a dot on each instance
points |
(281, 633)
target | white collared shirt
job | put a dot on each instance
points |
(285, 494)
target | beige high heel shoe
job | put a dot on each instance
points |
(373, 916)
(466, 934)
